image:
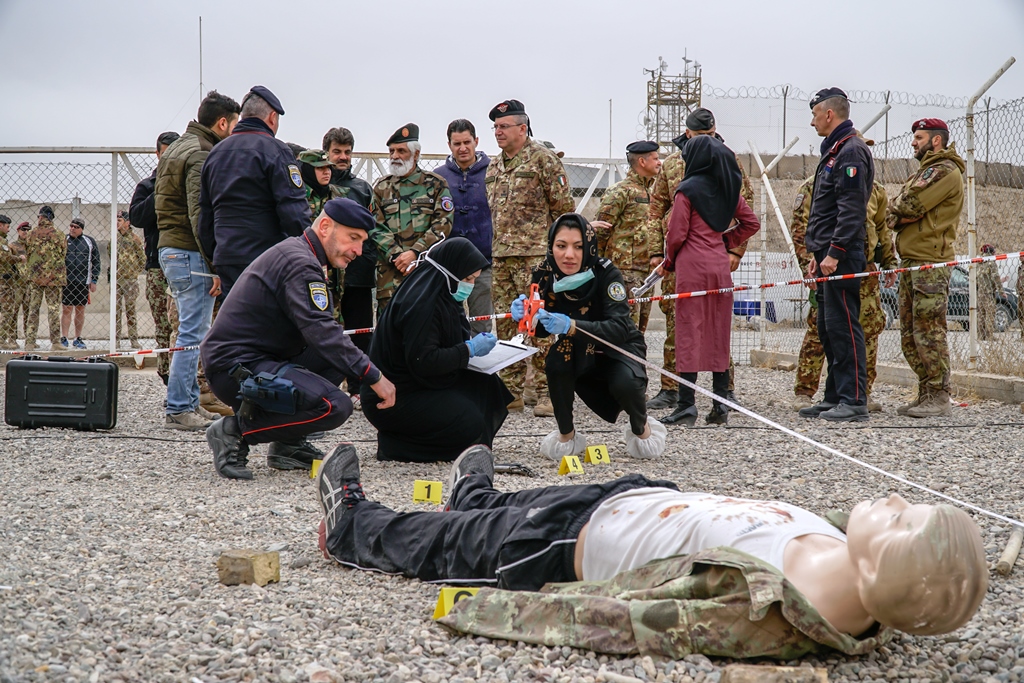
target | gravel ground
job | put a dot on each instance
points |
(109, 544)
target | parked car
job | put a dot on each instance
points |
(958, 308)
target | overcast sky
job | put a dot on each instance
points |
(118, 72)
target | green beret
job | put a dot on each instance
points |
(410, 132)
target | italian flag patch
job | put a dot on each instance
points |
(851, 171)
(561, 180)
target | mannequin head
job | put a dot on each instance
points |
(920, 568)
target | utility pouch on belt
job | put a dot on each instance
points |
(268, 391)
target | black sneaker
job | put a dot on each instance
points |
(817, 409)
(337, 484)
(845, 413)
(666, 398)
(476, 459)
(230, 452)
(293, 455)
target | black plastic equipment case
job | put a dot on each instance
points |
(61, 392)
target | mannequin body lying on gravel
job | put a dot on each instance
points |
(581, 290)
(916, 568)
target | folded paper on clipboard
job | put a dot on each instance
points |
(504, 354)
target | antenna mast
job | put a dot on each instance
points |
(201, 95)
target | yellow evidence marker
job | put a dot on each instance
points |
(424, 491)
(597, 455)
(316, 468)
(448, 597)
(570, 465)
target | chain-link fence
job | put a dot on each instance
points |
(999, 170)
(771, 319)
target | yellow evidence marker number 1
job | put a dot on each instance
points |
(570, 465)
(597, 455)
(424, 491)
(448, 597)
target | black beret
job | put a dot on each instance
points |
(700, 119)
(6, 220)
(642, 147)
(825, 94)
(410, 132)
(45, 210)
(349, 213)
(507, 108)
(267, 96)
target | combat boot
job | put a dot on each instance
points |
(230, 451)
(516, 406)
(293, 455)
(801, 401)
(543, 408)
(922, 395)
(873, 405)
(212, 404)
(936, 405)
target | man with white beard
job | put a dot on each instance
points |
(414, 211)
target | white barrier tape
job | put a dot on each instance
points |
(119, 354)
(790, 432)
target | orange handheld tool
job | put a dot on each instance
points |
(531, 305)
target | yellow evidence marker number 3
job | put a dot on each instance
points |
(424, 491)
(597, 455)
(448, 597)
(570, 465)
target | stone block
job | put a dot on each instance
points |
(236, 567)
(746, 673)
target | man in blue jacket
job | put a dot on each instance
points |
(836, 232)
(251, 195)
(464, 170)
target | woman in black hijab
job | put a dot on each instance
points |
(422, 344)
(582, 292)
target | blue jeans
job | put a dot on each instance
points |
(195, 313)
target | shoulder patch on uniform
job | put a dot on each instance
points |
(617, 291)
(318, 295)
(561, 180)
(799, 201)
(928, 173)
(447, 204)
(293, 173)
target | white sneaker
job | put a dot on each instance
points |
(555, 449)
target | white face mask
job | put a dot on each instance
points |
(570, 282)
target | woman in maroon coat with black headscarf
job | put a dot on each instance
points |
(708, 218)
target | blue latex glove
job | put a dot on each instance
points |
(517, 310)
(555, 323)
(481, 344)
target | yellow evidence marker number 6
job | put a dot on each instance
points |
(447, 598)
(597, 455)
(424, 491)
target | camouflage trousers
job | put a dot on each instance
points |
(640, 313)
(36, 294)
(127, 297)
(923, 297)
(511, 277)
(12, 300)
(668, 307)
(986, 317)
(159, 304)
(812, 355)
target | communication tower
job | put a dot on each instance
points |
(669, 99)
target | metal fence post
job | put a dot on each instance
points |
(113, 252)
(972, 217)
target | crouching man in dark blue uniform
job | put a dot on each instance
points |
(275, 353)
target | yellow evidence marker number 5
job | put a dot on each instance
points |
(597, 455)
(447, 598)
(424, 491)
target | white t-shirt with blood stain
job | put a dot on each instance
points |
(633, 528)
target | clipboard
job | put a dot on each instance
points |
(504, 354)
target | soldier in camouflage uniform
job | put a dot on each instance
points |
(527, 190)
(314, 166)
(990, 288)
(1020, 296)
(699, 122)
(131, 259)
(879, 249)
(414, 211)
(46, 275)
(924, 216)
(621, 223)
(12, 284)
